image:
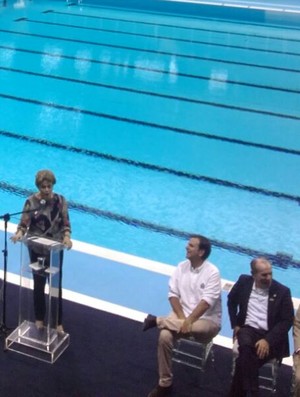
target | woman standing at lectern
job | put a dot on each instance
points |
(45, 214)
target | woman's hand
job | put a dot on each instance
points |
(67, 242)
(17, 236)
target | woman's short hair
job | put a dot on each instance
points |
(44, 175)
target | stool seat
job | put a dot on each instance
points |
(193, 353)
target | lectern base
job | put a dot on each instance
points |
(45, 344)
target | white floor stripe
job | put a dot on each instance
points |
(122, 311)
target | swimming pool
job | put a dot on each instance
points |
(157, 126)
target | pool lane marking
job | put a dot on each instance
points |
(157, 37)
(141, 122)
(128, 66)
(165, 96)
(139, 164)
(105, 44)
(139, 22)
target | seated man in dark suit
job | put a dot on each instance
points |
(261, 314)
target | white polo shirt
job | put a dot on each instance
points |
(191, 286)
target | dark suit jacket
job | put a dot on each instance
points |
(280, 312)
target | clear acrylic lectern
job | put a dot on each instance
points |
(39, 257)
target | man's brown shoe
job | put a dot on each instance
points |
(160, 391)
(149, 322)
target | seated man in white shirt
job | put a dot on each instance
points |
(261, 314)
(195, 298)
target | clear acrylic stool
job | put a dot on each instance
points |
(268, 373)
(189, 351)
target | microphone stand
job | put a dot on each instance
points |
(6, 217)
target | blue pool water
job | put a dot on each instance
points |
(156, 126)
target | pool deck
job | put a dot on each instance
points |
(278, 12)
(117, 283)
(275, 5)
(269, 5)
